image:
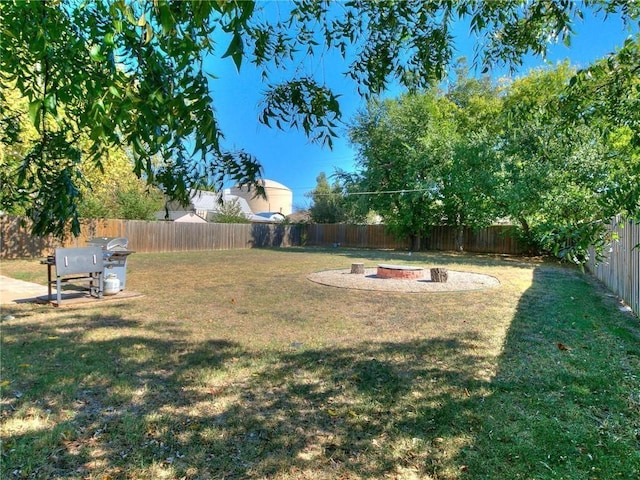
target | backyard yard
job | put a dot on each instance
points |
(234, 365)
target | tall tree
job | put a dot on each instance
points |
(469, 176)
(328, 201)
(607, 95)
(131, 71)
(557, 173)
(403, 146)
(430, 159)
(479, 152)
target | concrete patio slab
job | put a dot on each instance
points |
(18, 291)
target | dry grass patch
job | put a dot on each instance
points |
(234, 365)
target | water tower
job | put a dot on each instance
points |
(279, 198)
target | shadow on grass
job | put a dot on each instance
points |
(565, 400)
(104, 397)
(214, 410)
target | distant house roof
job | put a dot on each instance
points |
(210, 201)
(199, 200)
(300, 216)
(181, 216)
(205, 204)
(267, 217)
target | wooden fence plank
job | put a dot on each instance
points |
(174, 236)
(620, 271)
(497, 239)
(16, 242)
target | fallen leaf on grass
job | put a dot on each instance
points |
(215, 391)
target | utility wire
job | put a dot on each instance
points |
(381, 192)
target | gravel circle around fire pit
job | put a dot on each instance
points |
(457, 281)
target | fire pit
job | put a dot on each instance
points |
(400, 272)
(456, 282)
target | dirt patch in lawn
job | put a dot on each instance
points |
(457, 281)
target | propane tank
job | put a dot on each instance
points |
(111, 284)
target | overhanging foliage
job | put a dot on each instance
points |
(131, 72)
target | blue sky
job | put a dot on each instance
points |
(289, 158)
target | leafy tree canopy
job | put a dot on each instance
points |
(131, 72)
(477, 153)
(607, 96)
(329, 204)
(110, 190)
(428, 158)
(555, 174)
(230, 212)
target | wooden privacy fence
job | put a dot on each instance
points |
(16, 242)
(175, 236)
(353, 236)
(495, 239)
(620, 271)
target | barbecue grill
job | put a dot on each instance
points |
(115, 253)
(74, 261)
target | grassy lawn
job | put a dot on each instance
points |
(233, 365)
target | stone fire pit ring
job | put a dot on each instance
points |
(399, 272)
(458, 281)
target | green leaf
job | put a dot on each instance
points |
(165, 17)
(235, 49)
(100, 105)
(148, 35)
(50, 104)
(96, 54)
(35, 113)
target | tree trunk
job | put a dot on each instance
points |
(526, 231)
(414, 242)
(439, 275)
(459, 238)
(357, 268)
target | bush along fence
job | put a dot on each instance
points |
(620, 270)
